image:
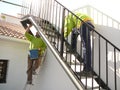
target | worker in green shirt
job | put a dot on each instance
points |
(72, 22)
(36, 50)
(75, 26)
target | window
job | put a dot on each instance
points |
(3, 70)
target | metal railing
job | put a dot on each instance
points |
(50, 16)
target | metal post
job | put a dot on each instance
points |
(62, 33)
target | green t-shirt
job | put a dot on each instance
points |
(36, 43)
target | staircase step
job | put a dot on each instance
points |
(95, 88)
(90, 83)
(48, 29)
(49, 35)
(73, 58)
(86, 76)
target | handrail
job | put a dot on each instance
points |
(74, 79)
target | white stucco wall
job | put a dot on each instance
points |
(16, 53)
(112, 34)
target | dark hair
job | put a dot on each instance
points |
(37, 35)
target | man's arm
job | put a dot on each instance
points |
(27, 33)
(28, 28)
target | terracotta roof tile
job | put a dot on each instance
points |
(11, 30)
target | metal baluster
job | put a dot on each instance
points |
(106, 65)
(99, 63)
(115, 78)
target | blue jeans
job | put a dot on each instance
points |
(85, 35)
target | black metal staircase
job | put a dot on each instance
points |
(50, 19)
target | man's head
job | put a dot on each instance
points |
(37, 35)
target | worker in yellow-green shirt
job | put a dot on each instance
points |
(36, 50)
(75, 26)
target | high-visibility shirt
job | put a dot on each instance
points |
(36, 43)
(72, 22)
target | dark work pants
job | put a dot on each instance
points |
(85, 34)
